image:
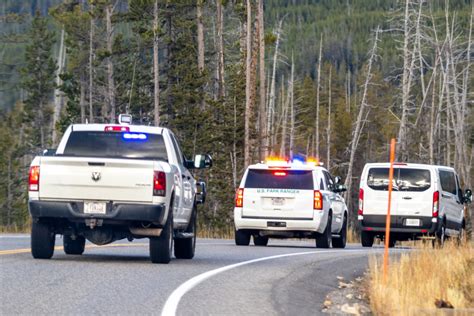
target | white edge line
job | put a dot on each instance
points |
(171, 304)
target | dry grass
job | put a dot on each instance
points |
(422, 277)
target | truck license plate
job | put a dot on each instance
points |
(278, 201)
(412, 222)
(95, 207)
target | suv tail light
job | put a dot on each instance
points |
(33, 179)
(361, 202)
(239, 197)
(318, 200)
(435, 203)
(159, 183)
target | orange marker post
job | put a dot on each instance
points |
(387, 221)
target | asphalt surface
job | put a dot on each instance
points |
(119, 279)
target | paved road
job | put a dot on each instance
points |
(287, 277)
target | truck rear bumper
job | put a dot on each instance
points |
(376, 223)
(121, 212)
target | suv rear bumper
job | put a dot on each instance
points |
(376, 223)
(116, 212)
(276, 223)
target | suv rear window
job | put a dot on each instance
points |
(279, 179)
(116, 145)
(411, 180)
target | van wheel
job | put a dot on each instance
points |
(42, 241)
(161, 248)
(184, 248)
(74, 246)
(440, 236)
(260, 240)
(324, 240)
(340, 242)
(367, 239)
(242, 238)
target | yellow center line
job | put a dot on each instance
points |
(26, 250)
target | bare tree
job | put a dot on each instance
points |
(291, 102)
(248, 88)
(318, 87)
(363, 112)
(58, 94)
(109, 10)
(91, 64)
(328, 129)
(263, 143)
(156, 67)
(220, 50)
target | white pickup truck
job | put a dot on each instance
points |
(107, 182)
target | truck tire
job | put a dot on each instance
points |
(324, 240)
(260, 240)
(184, 247)
(242, 238)
(74, 246)
(340, 242)
(42, 241)
(161, 248)
(367, 239)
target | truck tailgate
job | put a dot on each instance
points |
(73, 178)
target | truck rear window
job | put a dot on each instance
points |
(405, 179)
(116, 145)
(279, 179)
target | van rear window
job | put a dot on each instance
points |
(279, 179)
(405, 179)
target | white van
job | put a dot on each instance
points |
(281, 199)
(427, 200)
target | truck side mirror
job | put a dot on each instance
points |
(467, 196)
(202, 161)
(337, 179)
(201, 192)
(340, 188)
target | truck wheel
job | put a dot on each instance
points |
(324, 240)
(42, 241)
(367, 239)
(74, 246)
(260, 240)
(184, 247)
(161, 248)
(242, 238)
(340, 242)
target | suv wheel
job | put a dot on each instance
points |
(324, 240)
(184, 248)
(260, 240)
(74, 246)
(42, 241)
(161, 248)
(242, 238)
(340, 242)
(367, 239)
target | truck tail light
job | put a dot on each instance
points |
(239, 198)
(361, 202)
(318, 200)
(435, 203)
(159, 183)
(33, 179)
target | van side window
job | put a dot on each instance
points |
(460, 195)
(448, 181)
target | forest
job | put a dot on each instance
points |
(240, 80)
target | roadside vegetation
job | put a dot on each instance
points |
(423, 281)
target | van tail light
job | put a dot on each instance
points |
(361, 202)
(33, 179)
(239, 198)
(159, 183)
(435, 203)
(318, 200)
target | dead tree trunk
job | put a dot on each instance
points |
(109, 9)
(91, 64)
(220, 50)
(292, 107)
(318, 86)
(263, 137)
(200, 36)
(248, 88)
(328, 130)
(58, 94)
(156, 69)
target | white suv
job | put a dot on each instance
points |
(426, 200)
(280, 199)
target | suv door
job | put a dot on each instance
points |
(337, 204)
(449, 203)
